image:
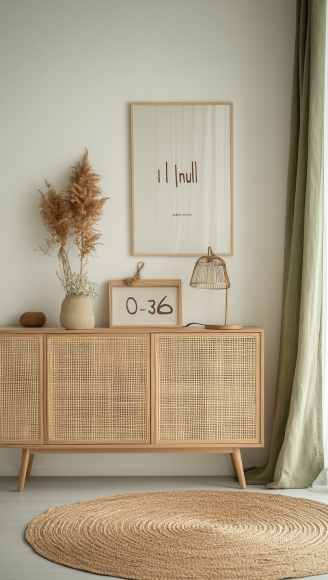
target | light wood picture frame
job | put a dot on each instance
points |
(148, 303)
(182, 178)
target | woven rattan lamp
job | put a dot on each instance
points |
(210, 272)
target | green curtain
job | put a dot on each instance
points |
(296, 456)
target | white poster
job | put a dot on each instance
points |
(182, 178)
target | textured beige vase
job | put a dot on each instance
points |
(77, 313)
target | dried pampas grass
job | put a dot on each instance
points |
(73, 214)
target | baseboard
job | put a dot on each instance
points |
(80, 472)
(120, 465)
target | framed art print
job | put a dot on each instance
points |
(146, 303)
(182, 178)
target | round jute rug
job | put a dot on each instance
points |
(187, 535)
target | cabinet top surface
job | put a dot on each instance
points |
(123, 330)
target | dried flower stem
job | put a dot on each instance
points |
(73, 213)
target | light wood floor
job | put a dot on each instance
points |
(18, 561)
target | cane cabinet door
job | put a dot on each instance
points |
(98, 389)
(21, 383)
(207, 388)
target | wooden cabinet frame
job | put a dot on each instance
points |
(42, 370)
(113, 442)
(46, 446)
(259, 393)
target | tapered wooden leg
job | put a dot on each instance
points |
(233, 464)
(23, 469)
(239, 467)
(29, 467)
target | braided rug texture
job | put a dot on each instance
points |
(194, 535)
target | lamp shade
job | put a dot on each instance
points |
(210, 272)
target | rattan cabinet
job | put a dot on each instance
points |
(98, 389)
(129, 390)
(21, 389)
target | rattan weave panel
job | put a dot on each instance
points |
(206, 388)
(19, 388)
(97, 388)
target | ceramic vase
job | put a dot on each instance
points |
(77, 313)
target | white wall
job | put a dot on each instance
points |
(69, 69)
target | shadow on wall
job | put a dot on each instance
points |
(101, 305)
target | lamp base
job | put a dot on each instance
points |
(223, 326)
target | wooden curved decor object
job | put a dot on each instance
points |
(33, 319)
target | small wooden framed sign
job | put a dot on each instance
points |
(146, 303)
